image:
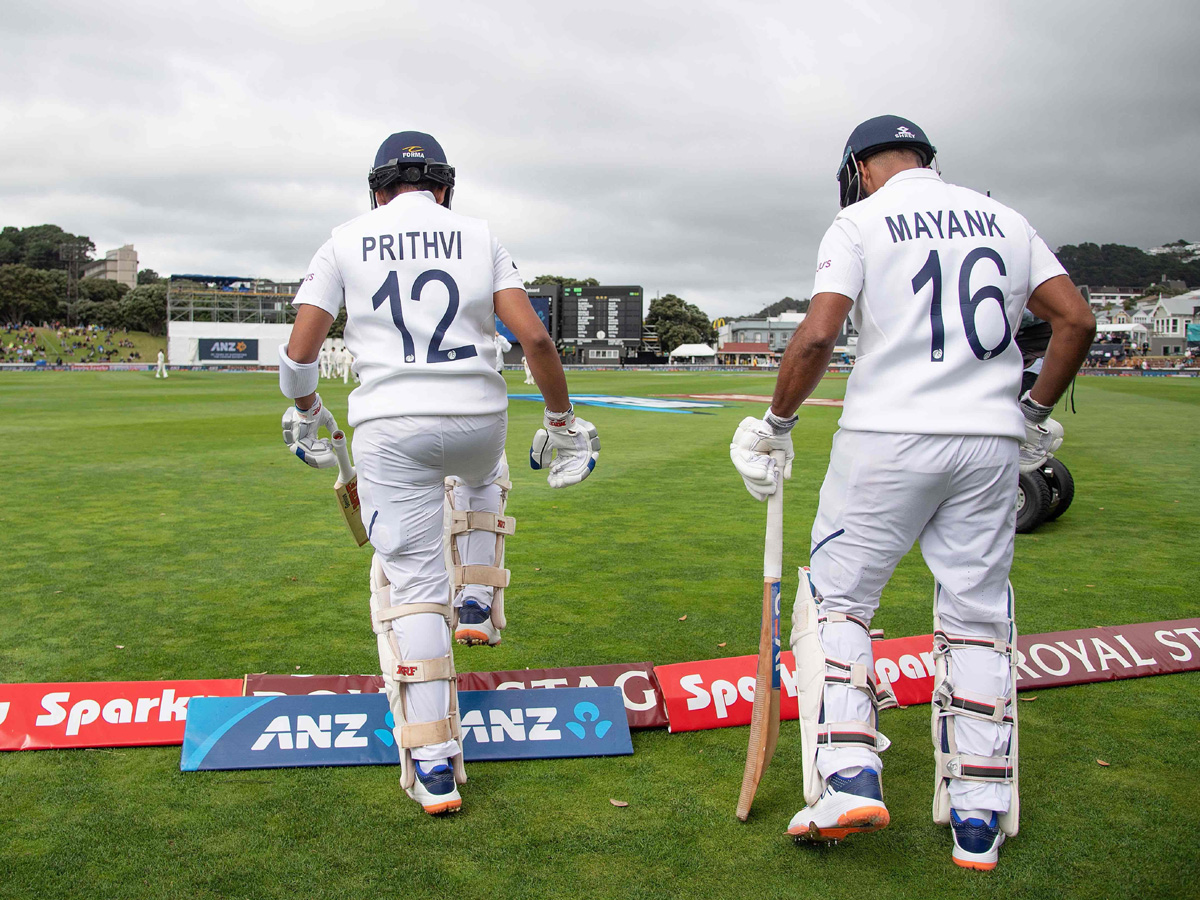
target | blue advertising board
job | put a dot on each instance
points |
(356, 729)
(541, 306)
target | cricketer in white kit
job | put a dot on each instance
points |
(935, 278)
(421, 286)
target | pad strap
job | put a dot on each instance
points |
(420, 734)
(490, 576)
(411, 609)
(943, 642)
(413, 671)
(995, 769)
(463, 521)
(851, 734)
(972, 705)
(855, 675)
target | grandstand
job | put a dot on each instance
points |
(223, 320)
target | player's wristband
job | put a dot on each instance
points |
(1034, 411)
(778, 424)
(296, 379)
(559, 419)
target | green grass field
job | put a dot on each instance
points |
(167, 517)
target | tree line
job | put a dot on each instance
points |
(1119, 265)
(35, 265)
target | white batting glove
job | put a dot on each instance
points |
(750, 451)
(300, 427)
(1043, 435)
(577, 445)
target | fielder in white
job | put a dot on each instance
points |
(161, 370)
(503, 345)
(421, 285)
(935, 278)
(528, 371)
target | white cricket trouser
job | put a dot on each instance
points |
(402, 465)
(161, 371)
(957, 496)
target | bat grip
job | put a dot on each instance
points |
(773, 546)
(345, 469)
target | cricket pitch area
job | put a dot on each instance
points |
(160, 530)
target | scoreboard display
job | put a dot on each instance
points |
(602, 314)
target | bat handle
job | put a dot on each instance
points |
(345, 469)
(773, 546)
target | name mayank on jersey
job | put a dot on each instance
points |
(981, 222)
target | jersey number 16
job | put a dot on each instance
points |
(968, 303)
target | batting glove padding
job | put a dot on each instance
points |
(300, 428)
(1043, 435)
(750, 451)
(568, 446)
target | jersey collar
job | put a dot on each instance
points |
(428, 195)
(912, 174)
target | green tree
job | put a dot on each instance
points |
(787, 304)
(678, 322)
(38, 246)
(148, 276)
(30, 295)
(145, 309)
(563, 281)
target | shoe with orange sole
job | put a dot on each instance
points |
(977, 838)
(848, 806)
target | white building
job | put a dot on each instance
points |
(118, 265)
(1171, 317)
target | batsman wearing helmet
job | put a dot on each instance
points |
(935, 278)
(421, 286)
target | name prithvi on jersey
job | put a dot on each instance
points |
(977, 223)
(421, 245)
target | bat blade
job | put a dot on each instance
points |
(346, 489)
(764, 719)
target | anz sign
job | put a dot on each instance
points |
(356, 729)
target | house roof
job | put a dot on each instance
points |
(1182, 305)
(746, 347)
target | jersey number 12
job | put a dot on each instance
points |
(390, 291)
(968, 303)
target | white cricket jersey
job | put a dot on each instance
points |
(939, 276)
(417, 281)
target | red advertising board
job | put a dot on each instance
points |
(1108, 653)
(643, 702)
(101, 713)
(717, 693)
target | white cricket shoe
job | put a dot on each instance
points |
(475, 624)
(977, 838)
(434, 787)
(848, 805)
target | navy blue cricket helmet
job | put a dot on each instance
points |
(408, 157)
(873, 136)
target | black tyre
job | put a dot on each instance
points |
(1062, 488)
(1033, 500)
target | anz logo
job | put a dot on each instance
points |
(312, 732)
(533, 724)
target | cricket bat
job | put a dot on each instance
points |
(764, 720)
(346, 488)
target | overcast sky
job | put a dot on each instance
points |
(687, 147)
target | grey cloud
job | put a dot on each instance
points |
(686, 147)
